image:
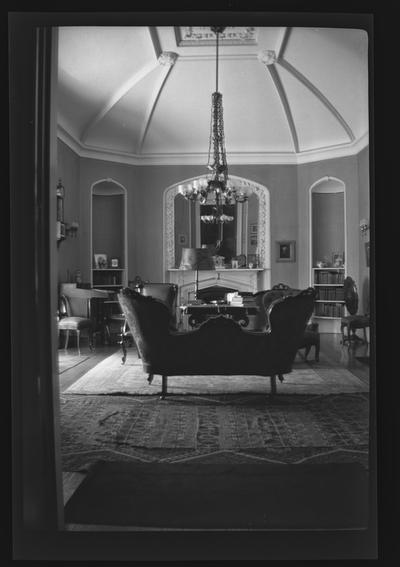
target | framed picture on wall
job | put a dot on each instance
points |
(286, 251)
(254, 229)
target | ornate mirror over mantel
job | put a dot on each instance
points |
(250, 235)
(241, 236)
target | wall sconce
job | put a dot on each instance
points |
(364, 226)
(71, 229)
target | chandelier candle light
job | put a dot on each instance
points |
(216, 187)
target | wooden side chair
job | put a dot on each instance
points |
(74, 317)
(353, 321)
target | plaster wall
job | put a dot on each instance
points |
(289, 188)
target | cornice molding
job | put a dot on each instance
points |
(242, 158)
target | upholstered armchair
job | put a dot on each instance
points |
(311, 335)
(219, 346)
(167, 294)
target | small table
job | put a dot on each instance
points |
(198, 313)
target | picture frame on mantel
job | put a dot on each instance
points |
(285, 250)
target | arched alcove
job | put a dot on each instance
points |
(108, 234)
(328, 250)
(328, 219)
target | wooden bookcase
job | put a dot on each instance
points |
(108, 278)
(329, 305)
(108, 235)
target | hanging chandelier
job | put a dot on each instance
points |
(216, 187)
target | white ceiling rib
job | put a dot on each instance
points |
(153, 98)
(155, 40)
(286, 106)
(285, 40)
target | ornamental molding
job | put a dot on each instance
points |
(267, 57)
(203, 35)
(167, 58)
(84, 150)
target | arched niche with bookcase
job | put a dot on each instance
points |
(328, 250)
(108, 235)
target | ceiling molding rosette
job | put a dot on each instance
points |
(167, 58)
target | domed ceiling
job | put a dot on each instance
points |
(142, 95)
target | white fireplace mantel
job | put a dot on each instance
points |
(242, 279)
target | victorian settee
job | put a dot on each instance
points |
(219, 346)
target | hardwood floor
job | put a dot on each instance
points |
(90, 359)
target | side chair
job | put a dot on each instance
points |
(74, 316)
(167, 294)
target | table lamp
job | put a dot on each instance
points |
(196, 259)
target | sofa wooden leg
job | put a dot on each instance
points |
(273, 384)
(150, 378)
(164, 387)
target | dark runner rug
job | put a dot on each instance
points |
(187, 496)
(228, 428)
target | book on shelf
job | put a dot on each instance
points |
(329, 277)
(329, 310)
(331, 293)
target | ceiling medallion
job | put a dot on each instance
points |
(202, 35)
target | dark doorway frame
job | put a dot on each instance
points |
(37, 511)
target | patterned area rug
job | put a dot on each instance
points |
(66, 361)
(230, 428)
(112, 377)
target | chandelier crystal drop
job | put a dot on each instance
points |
(216, 187)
